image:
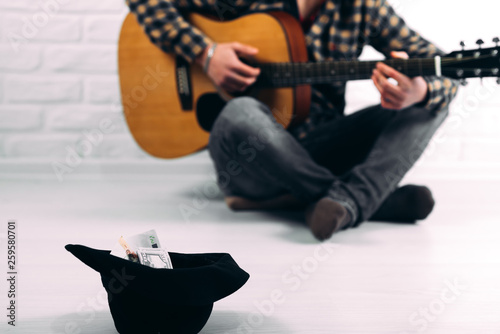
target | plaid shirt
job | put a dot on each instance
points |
(339, 32)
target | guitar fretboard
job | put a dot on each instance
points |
(293, 74)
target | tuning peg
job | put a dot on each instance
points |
(479, 42)
(462, 44)
(496, 40)
(463, 82)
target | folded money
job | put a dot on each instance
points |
(144, 248)
(146, 239)
(132, 256)
(154, 257)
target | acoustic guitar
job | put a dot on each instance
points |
(170, 105)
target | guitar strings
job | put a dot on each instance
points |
(310, 73)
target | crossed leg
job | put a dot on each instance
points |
(356, 161)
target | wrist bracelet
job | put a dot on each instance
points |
(210, 54)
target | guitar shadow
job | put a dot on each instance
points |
(297, 230)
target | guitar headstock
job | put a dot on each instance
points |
(478, 63)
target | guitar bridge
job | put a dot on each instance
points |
(183, 84)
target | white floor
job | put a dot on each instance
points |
(439, 276)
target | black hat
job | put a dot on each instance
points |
(147, 300)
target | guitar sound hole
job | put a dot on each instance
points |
(208, 108)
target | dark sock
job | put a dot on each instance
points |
(326, 217)
(406, 204)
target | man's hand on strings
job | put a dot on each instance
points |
(406, 93)
(226, 69)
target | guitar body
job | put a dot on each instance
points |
(170, 105)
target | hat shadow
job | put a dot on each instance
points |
(219, 322)
(99, 322)
(232, 322)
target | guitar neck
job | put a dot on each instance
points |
(293, 74)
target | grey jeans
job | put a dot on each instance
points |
(357, 160)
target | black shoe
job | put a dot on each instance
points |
(406, 204)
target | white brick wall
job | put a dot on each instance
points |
(58, 81)
(57, 29)
(27, 60)
(15, 118)
(41, 89)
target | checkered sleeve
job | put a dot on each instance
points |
(165, 26)
(389, 32)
